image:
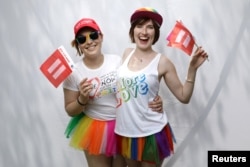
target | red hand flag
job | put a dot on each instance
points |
(181, 38)
(58, 66)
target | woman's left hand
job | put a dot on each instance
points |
(198, 58)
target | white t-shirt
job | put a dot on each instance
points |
(134, 118)
(102, 103)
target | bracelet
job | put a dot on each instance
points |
(78, 101)
(190, 81)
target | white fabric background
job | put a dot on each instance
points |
(32, 116)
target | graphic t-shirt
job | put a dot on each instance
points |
(103, 80)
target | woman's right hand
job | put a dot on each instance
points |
(85, 87)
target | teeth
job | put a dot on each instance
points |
(143, 38)
(90, 47)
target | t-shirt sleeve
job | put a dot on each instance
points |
(71, 82)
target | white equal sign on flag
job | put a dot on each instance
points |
(183, 37)
(180, 37)
(58, 66)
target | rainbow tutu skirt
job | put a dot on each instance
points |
(152, 149)
(95, 136)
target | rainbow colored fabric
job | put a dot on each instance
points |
(96, 137)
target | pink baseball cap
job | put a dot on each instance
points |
(86, 22)
(147, 12)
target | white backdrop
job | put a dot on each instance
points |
(32, 116)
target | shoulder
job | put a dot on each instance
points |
(165, 64)
(126, 52)
(112, 61)
(164, 59)
(112, 57)
(71, 82)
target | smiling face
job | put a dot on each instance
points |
(144, 34)
(89, 42)
(144, 31)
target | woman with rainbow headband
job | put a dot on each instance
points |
(145, 137)
(89, 97)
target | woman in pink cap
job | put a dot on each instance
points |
(145, 137)
(89, 96)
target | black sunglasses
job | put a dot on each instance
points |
(81, 39)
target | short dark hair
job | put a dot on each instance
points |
(142, 21)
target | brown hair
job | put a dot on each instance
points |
(142, 21)
(74, 44)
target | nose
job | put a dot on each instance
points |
(144, 30)
(88, 39)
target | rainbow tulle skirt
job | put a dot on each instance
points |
(151, 149)
(95, 136)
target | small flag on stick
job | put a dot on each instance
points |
(180, 37)
(58, 66)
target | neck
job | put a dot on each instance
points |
(94, 62)
(143, 56)
(144, 51)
